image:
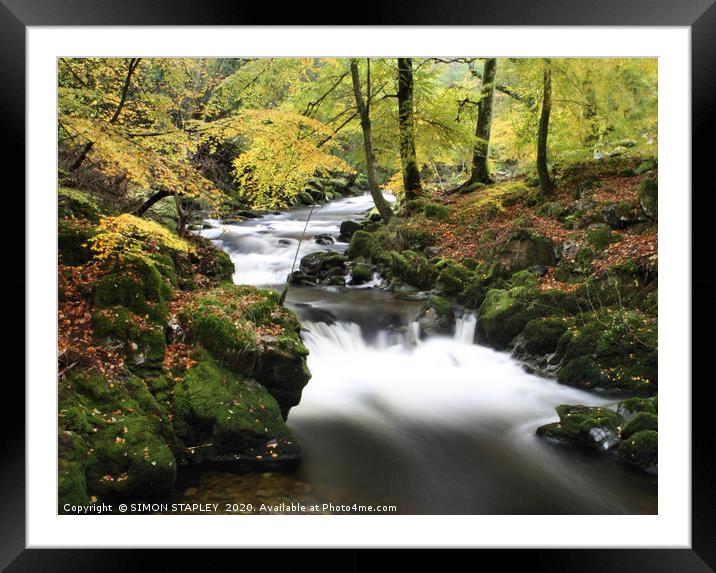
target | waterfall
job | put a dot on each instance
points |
(465, 328)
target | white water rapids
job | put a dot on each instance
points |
(434, 426)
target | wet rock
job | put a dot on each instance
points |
(347, 229)
(595, 428)
(361, 274)
(436, 318)
(641, 450)
(630, 407)
(324, 239)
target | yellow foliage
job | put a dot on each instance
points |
(285, 150)
(127, 235)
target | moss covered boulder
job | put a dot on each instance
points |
(322, 267)
(502, 316)
(116, 435)
(615, 350)
(596, 428)
(452, 277)
(641, 450)
(363, 246)
(361, 273)
(540, 336)
(137, 285)
(408, 267)
(523, 250)
(632, 406)
(248, 331)
(640, 422)
(220, 415)
(72, 237)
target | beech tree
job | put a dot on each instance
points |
(364, 114)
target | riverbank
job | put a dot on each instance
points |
(568, 287)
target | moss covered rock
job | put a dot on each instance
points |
(540, 336)
(437, 317)
(71, 469)
(128, 442)
(640, 422)
(361, 274)
(72, 237)
(77, 204)
(408, 267)
(247, 330)
(502, 316)
(522, 251)
(641, 450)
(137, 285)
(596, 428)
(632, 406)
(363, 245)
(614, 350)
(452, 277)
(220, 415)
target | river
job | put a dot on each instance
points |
(440, 426)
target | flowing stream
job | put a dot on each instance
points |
(439, 426)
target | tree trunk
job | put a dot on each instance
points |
(406, 121)
(363, 112)
(545, 182)
(181, 215)
(480, 171)
(158, 196)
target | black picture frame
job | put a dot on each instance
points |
(699, 15)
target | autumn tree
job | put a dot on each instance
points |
(480, 169)
(364, 114)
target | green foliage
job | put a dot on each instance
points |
(435, 211)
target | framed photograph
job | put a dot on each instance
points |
(408, 283)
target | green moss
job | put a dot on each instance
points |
(114, 323)
(364, 245)
(502, 316)
(541, 335)
(212, 404)
(246, 330)
(600, 235)
(615, 350)
(408, 267)
(409, 238)
(361, 273)
(130, 444)
(524, 279)
(435, 211)
(584, 425)
(77, 204)
(641, 450)
(137, 285)
(631, 406)
(72, 237)
(639, 423)
(415, 204)
(452, 277)
(71, 467)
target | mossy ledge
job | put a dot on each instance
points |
(163, 362)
